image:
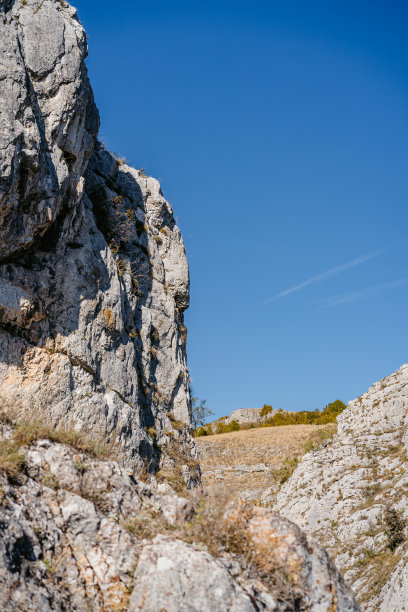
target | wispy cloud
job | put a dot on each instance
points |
(328, 274)
(362, 294)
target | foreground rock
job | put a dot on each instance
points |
(79, 534)
(352, 494)
(93, 274)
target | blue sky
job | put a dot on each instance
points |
(279, 131)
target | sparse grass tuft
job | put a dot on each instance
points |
(285, 472)
(12, 460)
(25, 434)
(134, 333)
(179, 425)
(121, 266)
(109, 318)
(151, 432)
(221, 528)
(114, 247)
(147, 525)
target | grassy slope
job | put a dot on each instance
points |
(278, 447)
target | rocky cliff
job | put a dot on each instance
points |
(352, 494)
(93, 274)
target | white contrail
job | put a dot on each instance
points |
(353, 296)
(328, 274)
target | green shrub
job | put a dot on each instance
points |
(234, 426)
(318, 437)
(205, 430)
(285, 472)
(221, 427)
(395, 526)
(267, 409)
(307, 417)
(309, 445)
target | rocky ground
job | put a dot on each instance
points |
(80, 533)
(352, 495)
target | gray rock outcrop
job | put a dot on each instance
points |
(93, 274)
(352, 494)
(79, 533)
(244, 415)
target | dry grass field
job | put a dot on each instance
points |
(247, 463)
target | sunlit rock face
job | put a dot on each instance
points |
(93, 273)
(352, 494)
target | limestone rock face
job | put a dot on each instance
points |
(48, 119)
(244, 415)
(352, 494)
(75, 536)
(93, 273)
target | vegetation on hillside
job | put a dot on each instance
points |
(279, 417)
(200, 413)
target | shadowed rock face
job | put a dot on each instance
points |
(48, 119)
(93, 274)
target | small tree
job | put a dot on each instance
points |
(336, 407)
(267, 409)
(200, 412)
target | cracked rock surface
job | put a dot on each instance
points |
(352, 494)
(68, 541)
(93, 273)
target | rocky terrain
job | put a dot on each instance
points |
(352, 495)
(80, 532)
(93, 274)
